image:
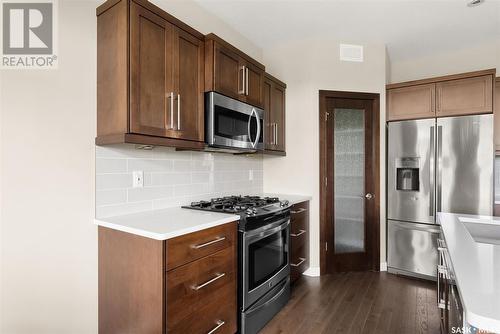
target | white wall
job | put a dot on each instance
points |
(469, 58)
(308, 66)
(48, 240)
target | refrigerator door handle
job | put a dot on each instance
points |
(431, 172)
(439, 166)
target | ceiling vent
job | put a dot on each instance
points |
(349, 52)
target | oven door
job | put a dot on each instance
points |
(265, 260)
(234, 124)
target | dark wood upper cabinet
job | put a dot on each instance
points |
(274, 108)
(451, 95)
(231, 72)
(158, 98)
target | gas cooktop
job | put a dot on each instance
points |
(236, 204)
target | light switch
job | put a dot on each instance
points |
(138, 179)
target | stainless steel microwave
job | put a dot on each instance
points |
(233, 125)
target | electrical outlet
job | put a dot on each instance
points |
(138, 179)
(250, 175)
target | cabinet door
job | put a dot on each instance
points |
(411, 102)
(151, 53)
(254, 79)
(268, 123)
(465, 96)
(278, 116)
(189, 86)
(497, 115)
(228, 74)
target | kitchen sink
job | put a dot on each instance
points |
(483, 230)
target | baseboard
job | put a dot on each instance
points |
(312, 272)
(383, 266)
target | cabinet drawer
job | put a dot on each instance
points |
(220, 311)
(192, 246)
(199, 283)
(299, 262)
(299, 210)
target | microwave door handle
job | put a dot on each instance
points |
(248, 127)
(257, 118)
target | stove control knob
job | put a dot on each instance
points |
(249, 212)
(284, 203)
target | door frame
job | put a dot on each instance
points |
(326, 230)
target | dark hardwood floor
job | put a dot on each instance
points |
(359, 302)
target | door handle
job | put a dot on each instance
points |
(178, 111)
(369, 196)
(431, 172)
(439, 166)
(246, 80)
(242, 90)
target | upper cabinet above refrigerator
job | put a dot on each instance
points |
(453, 95)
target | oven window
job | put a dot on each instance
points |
(267, 256)
(231, 124)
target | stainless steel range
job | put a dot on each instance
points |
(263, 257)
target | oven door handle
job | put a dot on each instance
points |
(262, 233)
(257, 307)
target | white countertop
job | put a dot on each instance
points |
(293, 199)
(166, 223)
(173, 222)
(477, 271)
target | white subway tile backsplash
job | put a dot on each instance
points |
(106, 165)
(107, 197)
(149, 193)
(171, 178)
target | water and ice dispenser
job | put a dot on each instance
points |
(407, 174)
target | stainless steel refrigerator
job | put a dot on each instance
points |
(434, 165)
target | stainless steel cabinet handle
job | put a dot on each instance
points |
(275, 133)
(297, 234)
(219, 323)
(242, 90)
(298, 264)
(171, 110)
(439, 167)
(178, 111)
(298, 211)
(169, 98)
(201, 286)
(246, 80)
(208, 243)
(271, 131)
(431, 172)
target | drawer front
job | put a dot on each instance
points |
(298, 235)
(192, 246)
(219, 312)
(299, 262)
(300, 210)
(199, 283)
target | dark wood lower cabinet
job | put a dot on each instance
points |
(138, 294)
(299, 240)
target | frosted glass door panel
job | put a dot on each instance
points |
(349, 180)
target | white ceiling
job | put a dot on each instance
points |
(409, 28)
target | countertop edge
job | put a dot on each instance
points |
(479, 321)
(166, 236)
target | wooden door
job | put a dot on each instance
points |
(465, 96)
(189, 86)
(151, 71)
(278, 116)
(228, 73)
(350, 171)
(412, 102)
(254, 80)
